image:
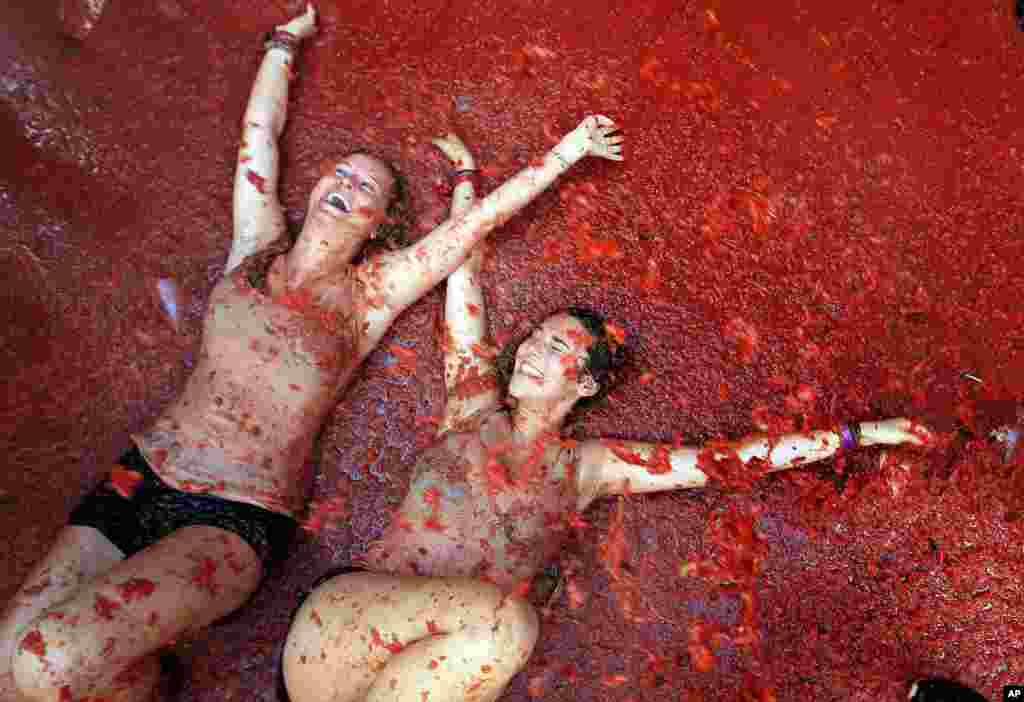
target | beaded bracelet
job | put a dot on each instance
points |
(281, 39)
(849, 436)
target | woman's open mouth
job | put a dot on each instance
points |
(337, 203)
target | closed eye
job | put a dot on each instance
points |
(559, 345)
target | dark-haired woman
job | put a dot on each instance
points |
(437, 612)
(179, 534)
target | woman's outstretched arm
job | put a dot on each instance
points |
(609, 467)
(258, 218)
(400, 278)
(469, 376)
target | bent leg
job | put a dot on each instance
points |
(369, 636)
(78, 555)
(97, 641)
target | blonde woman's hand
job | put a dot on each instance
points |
(303, 26)
(596, 135)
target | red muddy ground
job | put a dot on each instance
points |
(819, 218)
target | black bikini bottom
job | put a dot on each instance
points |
(134, 509)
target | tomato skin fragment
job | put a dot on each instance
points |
(376, 640)
(203, 576)
(615, 333)
(124, 481)
(136, 589)
(497, 477)
(105, 607)
(721, 463)
(406, 356)
(658, 464)
(703, 659)
(258, 181)
(701, 656)
(34, 643)
(432, 497)
(575, 521)
(746, 337)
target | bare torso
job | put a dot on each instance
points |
(269, 371)
(479, 507)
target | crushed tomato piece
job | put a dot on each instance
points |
(124, 481)
(105, 607)
(657, 464)
(136, 589)
(34, 643)
(258, 181)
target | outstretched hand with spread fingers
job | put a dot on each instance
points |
(596, 135)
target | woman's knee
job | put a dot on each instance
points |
(43, 661)
(513, 620)
(506, 628)
(48, 664)
(518, 628)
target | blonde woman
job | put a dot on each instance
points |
(179, 533)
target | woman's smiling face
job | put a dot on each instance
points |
(551, 362)
(358, 191)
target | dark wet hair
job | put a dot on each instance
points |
(604, 356)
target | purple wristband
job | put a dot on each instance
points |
(466, 175)
(848, 437)
(281, 39)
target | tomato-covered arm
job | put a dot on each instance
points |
(402, 277)
(258, 217)
(469, 374)
(612, 467)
